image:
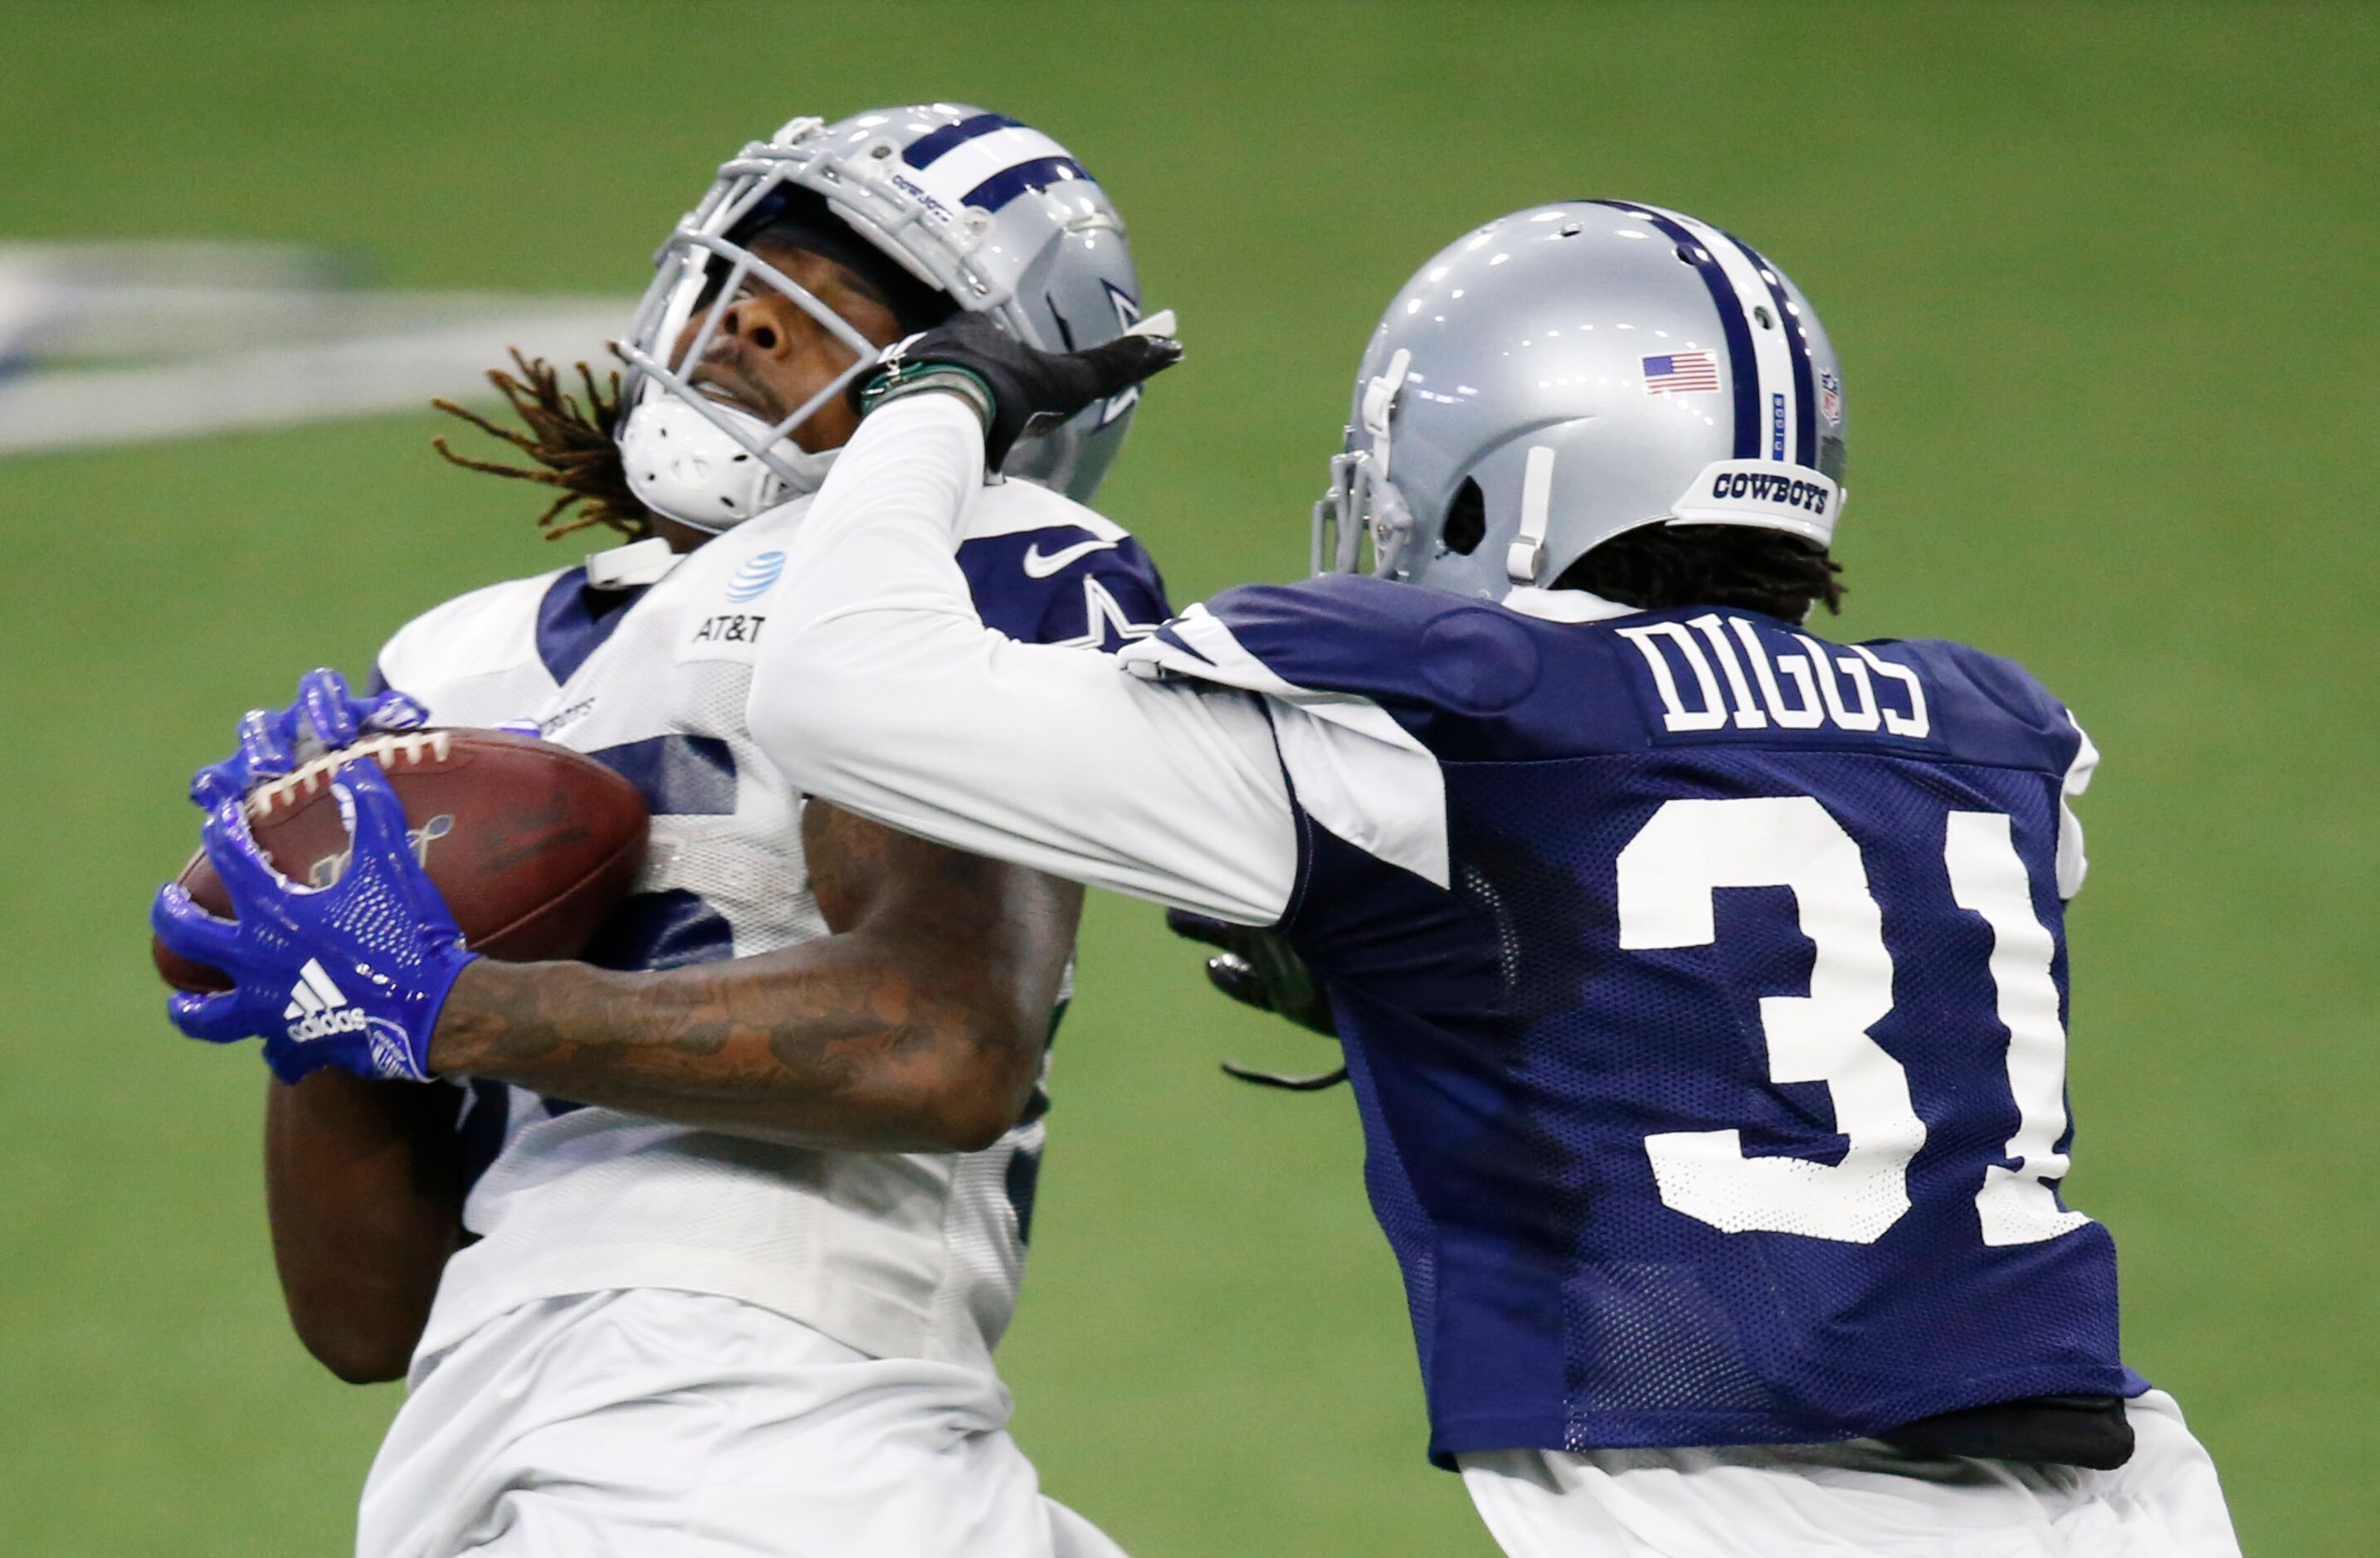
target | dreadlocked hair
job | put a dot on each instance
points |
(571, 443)
(1655, 567)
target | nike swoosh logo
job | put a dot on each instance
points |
(1037, 566)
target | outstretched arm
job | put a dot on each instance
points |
(918, 1026)
(881, 689)
(1042, 756)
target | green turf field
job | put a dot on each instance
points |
(2103, 278)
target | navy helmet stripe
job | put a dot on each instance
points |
(926, 147)
(1744, 367)
(1039, 173)
(1797, 337)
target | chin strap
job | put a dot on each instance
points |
(1380, 403)
(1525, 558)
(639, 562)
(1391, 521)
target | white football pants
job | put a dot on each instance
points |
(646, 1422)
(1834, 1501)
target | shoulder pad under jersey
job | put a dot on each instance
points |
(487, 631)
(1475, 680)
(1431, 659)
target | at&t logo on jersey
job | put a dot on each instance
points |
(731, 635)
(753, 579)
(732, 627)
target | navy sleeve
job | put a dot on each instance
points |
(1434, 662)
(1107, 599)
(1064, 584)
(1469, 680)
(1989, 710)
(1346, 633)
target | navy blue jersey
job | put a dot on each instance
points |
(1718, 1096)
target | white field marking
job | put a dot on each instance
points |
(109, 343)
(406, 746)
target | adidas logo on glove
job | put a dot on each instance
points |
(316, 1009)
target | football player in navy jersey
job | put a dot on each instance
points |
(1702, 982)
(726, 1278)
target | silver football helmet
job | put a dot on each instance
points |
(993, 214)
(1572, 371)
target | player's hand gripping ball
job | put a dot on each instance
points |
(350, 974)
(529, 843)
(273, 743)
(519, 845)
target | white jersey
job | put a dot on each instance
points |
(915, 1255)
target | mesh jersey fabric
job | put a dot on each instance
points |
(897, 1255)
(1517, 1052)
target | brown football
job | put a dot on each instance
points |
(530, 843)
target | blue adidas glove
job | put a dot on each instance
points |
(326, 712)
(350, 975)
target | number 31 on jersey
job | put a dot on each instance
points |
(1666, 876)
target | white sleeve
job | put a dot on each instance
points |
(877, 688)
(474, 660)
(2071, 863)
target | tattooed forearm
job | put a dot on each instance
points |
(918, 1026)
(789, 1045)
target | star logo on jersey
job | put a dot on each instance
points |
(1106, 624)
(1040, 565)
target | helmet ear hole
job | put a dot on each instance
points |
(1466, 519)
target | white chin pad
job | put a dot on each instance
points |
(682, 464)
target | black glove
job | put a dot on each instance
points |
(1019, 390)
(1257, 968)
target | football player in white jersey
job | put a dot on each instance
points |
(726, 1279)
(1702, 982)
